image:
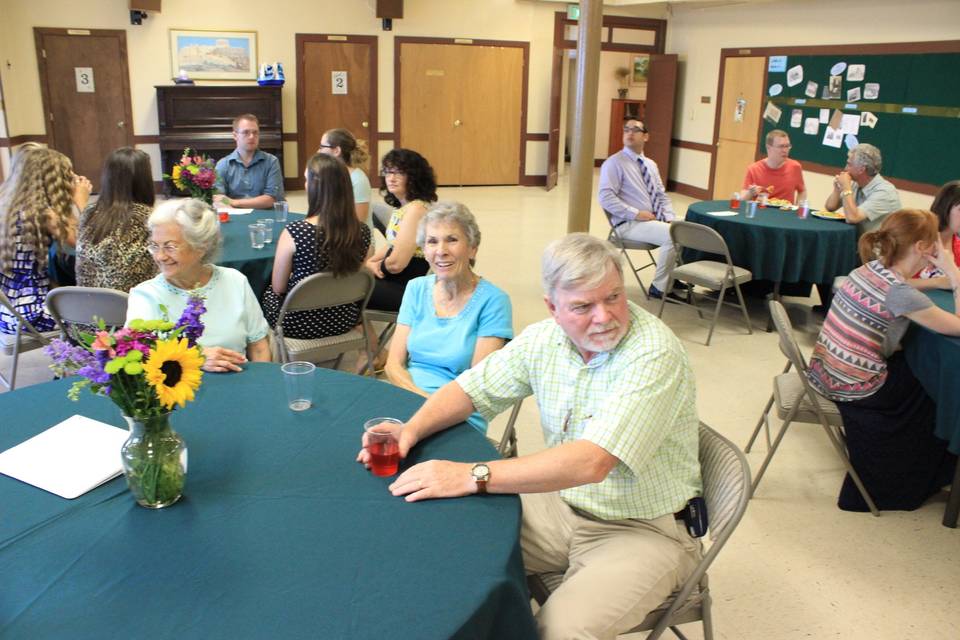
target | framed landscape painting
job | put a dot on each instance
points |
(214, 55)
(641, 66)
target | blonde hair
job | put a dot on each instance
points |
(353, 151)
(40, 185)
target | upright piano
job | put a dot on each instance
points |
(201, 117)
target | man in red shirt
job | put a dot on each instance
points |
(777, 175)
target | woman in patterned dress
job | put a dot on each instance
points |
(37, 204)
(330, 238)
(112, 238)
(410, 187)
(887, 416)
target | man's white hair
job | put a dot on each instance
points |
(577, 260)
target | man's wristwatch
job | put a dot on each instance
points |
(846, 192)
(481, 475)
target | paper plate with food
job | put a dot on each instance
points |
(779, 202)
(828, 215)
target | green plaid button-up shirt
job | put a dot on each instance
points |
(638, 402)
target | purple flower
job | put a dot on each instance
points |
(66, 357)
(190, 320)
(94, 373)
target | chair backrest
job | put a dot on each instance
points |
(698, 237)
(23, 326)
(72, 306)
(381, 213)
(788, 342)
(322, 290)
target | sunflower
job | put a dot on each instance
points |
(173, 370)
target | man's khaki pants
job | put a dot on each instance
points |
(615, 572)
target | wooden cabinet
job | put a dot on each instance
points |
(201, 117)
(620, 109)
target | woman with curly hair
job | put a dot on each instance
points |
(410, 187)
(36, 208)
(330, 239)
(112, 240)
(342, 144)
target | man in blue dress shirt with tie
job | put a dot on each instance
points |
(248, 178)
(632, 193)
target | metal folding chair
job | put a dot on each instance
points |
(623, 244)
(26, 338)
(798, 401)
(319, 291)
(726, 490)
(77, 309)
(705, 273)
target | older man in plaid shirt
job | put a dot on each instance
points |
(618, 411)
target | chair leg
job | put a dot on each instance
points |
(763, 420)
(636, 272)
(16, 360)
(743, 309)
(846, 463)
(773, 448)
(706, 613)
(716, 313)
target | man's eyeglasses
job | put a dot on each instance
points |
(634, 130)
(169, 248)
(248, 132)
(783, 146)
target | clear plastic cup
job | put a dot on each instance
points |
(382, 446)
(298, 380)
(280, 210)
(258, 235)
(268, 229)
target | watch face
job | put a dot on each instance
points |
(481, 471)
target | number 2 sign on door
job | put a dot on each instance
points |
(339, 79)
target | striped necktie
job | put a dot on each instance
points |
(656, 200)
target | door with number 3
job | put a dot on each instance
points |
(336, 88)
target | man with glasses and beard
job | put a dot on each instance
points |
(633, 196)
(248, 178)
(617, 406)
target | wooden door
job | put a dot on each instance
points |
(553, 139)
(658, 109)
(741, 105)
(336, 88)
(86, 95)
(461, 107)
(430, 99)
(492, 88)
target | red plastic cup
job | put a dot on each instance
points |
(224, 216)
(382, 446)
(735, 203)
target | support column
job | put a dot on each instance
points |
(585, 115)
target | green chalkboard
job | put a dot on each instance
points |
(917, 110)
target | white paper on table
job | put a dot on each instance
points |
(811, 126)
(871, 91)
(856, 72)
(722, 214)
(796, 117)
(232, 211)
(772, 113)
(853, 94)
(68, 459)
(795, 76)
(824, 116)
(811, 91)
(850, 123)
(867, 119)
(832, 137)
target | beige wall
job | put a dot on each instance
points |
(697, 35)
(276, 23)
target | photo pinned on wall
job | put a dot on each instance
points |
(641, 68)
(853, 95)
(775, 89)
(856, 72)
(796, 118)
(824, 116)
(850, 141)
(850, 123)
(838, 68)
(772, 113)
(871, 91)
(811, 126)
(739, 109)
(811, 91)
(213, 55)
(868, 119)
(832, 137)
(795, 76)
(831, 91)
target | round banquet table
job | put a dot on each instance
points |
(280, 533)
(778, 246)
(935, 360)
(256, 264)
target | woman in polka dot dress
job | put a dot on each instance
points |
(330, 238)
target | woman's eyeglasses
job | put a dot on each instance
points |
(391, 172)
(168, 248)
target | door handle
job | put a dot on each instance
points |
(457, 123)
(365, 124)
(120, 124)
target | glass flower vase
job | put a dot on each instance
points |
(154, 461)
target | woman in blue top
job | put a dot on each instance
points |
(451, 319)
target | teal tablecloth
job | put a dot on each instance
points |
(280, 533)
(256, 264)
(935, 360)
(778, 246)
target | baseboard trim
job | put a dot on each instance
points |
(688, 190)
(533, 181)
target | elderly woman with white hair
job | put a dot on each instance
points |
(184, 240)
(451, 319)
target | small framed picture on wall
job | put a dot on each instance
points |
(213, 55)
(641, 65)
